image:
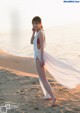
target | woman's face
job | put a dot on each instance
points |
(37, 26)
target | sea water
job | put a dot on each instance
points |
(61, 42)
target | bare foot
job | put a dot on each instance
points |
(54, 100)
(47, 98)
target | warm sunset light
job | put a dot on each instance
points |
(39, 56)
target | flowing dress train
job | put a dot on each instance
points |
(62, 72)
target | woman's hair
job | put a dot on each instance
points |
(37, 19)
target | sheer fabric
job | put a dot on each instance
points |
(63, 73)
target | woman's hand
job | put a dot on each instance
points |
(33, 30)
(42, 62)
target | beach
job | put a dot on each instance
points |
(19, 85)
(20, 88)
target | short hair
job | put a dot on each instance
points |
(36, 19)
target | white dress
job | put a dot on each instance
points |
(63, 73)
(37, 52)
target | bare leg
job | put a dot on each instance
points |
(47, 96)
(41, 72)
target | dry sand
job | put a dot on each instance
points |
(19, 85)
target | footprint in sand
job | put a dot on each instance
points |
(22, 92)
(36, 108)
(33, 82)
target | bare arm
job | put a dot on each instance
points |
(32, 38)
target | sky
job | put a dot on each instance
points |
(19, 13)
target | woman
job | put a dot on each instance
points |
(39, 53)
(62, 72)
